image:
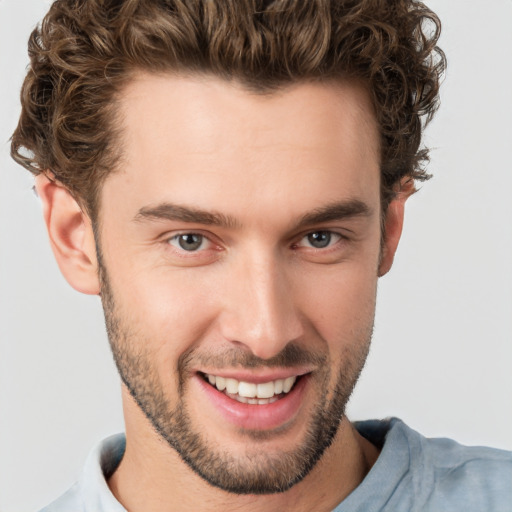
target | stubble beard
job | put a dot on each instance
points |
(257, 472)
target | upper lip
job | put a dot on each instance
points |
(257, 376)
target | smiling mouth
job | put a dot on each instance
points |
(250, 393)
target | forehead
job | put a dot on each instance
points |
(206, 142)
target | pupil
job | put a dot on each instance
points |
(190, 242)
(320, 239)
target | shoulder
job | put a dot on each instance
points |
(440, 474)
(71, 500)
(91, 492)
(468, 477)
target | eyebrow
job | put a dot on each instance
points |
(336, 211)
(169, 211)
(331, 212)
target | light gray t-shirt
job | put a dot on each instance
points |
(412, 473)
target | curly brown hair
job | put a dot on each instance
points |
(86, 51)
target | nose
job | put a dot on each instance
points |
(259, 307)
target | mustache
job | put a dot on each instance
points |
(292, 355)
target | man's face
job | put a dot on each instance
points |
(240, 246)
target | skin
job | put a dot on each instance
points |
(256, 285)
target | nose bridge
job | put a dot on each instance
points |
(262, 311)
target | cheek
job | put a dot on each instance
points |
(340, 305)
(169, 309)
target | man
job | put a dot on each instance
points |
(231, 179)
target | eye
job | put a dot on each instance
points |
(320, 239)
(190, 242)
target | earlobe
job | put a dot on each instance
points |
(71, 235)
(393, 224)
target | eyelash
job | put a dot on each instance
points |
(205, 238)
(188, 233)
(332, 234)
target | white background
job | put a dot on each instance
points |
(442, 351)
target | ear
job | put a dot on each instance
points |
(393, 224)
(71, 236)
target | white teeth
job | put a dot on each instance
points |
(232, 386)
(247, 389)
(221, 383)
(248, 392)
(253, 401)
(288, 383)
(265, 390)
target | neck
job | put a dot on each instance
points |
(152, 477)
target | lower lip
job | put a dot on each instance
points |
(257, 417)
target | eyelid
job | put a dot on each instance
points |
(208, 237)
(175, 242)
(214, 243)
(339, 236)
